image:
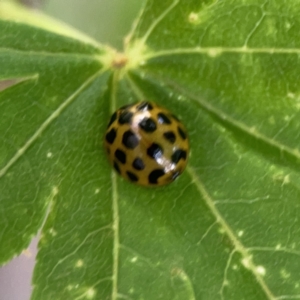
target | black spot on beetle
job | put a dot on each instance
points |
(116, 166)
(163, 119)
(148, 125)
(170, 136)
(125, 117)
(144, 106)
(111, 136)
(181, 133)
(121, 156)
(129, 139)
(154, 175)
(132, 176)
(112, 119)
(177, 155)
(155, 151)
(138, 164)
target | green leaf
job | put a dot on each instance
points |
(227, 228)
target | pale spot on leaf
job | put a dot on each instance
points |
(193, 18)
(134, 259)
(240, 233)
(52, 232)
(286, 179)
(54, 190)
(291, 95)
(79, 263)
(214, 52)
(226, 283)
(90, 293)
(261, 270)
(284, 274)
(221, 230)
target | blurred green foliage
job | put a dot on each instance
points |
(108, 21)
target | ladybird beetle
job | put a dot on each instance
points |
(146, 144)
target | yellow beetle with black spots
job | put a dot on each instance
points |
(146, 144)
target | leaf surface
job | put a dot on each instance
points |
(228, 227)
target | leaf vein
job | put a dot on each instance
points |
(49, 54)
(158, 20)
(216, 51)
(115, 205)
(239, 247)
(47, 123)
(78, 247)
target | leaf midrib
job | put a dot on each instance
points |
(115, 202)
